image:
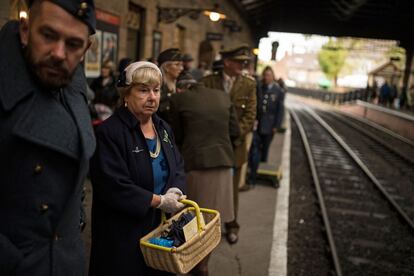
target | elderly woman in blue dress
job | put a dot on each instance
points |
(136, 172)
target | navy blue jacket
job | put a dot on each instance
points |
(270, 108)
(123, 185)
(44, 156)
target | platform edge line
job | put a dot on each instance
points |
(278, 253)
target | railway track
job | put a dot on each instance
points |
(378, 150)
(368, 228)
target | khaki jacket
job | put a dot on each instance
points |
(243, 97)
(204, 123)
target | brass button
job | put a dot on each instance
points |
(84, 5)
(265, 102)
(56, 237)
(243, 106)
(44, 207)
(168, 94)
(266, 96)
(38, 169)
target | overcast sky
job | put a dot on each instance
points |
(289, 42)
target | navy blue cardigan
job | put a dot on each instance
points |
(123, 185)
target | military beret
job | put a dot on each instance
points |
(171, 54)
(187, 57)
(185, 78)
(84, 10)
(238, 52)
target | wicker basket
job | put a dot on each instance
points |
(184, 258)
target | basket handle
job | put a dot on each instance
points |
(197, 211)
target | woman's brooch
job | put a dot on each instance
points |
(166, 138)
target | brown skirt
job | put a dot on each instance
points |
(212, 189)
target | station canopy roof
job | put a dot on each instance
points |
(381, 19)
(388, 69)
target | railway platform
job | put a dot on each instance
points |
(258, 252)
(278, 226)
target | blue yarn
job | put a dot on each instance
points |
(162, 242)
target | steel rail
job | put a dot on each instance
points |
(378, 127)
(319, 193)
(363, 167)
(373, 137)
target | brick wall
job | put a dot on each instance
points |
(194, 30)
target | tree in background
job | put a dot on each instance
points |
(397, 54)
(332, 58)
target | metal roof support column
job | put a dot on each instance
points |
(407, 71)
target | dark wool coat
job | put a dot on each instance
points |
(123, 186)
(44, 152)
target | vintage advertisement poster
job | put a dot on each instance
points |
(109, 47)
(93, 57)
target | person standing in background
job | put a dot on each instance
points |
(187, 63)
(242, 92)
(170, 62)
(270, 110)
(105, 86)
(205, 123)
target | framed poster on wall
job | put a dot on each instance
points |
(156, 44)
(109, 47)
(93, 57)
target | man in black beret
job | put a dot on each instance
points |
(187, 62)
(46, 138)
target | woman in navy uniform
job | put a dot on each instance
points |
(270, 110)
(136, 172)
(171, 63)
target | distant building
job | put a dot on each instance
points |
(386, 72)
(302, 69)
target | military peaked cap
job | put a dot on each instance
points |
(238, 52)
(84, 10)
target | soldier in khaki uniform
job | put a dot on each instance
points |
(242, 91)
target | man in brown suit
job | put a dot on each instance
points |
(242, 91)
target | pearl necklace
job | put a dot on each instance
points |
(158, 146)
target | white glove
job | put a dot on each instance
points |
(177, 192)
(169, 203)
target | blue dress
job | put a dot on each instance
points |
(159, 167)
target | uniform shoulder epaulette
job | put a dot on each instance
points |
(249, 78)
(211, 75)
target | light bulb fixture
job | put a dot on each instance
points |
(23, 14)
(214, 16)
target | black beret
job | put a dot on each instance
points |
(185, 78)
(84, 10)
(187, 57)
(171, 54)
(218, 65)
(238, 52)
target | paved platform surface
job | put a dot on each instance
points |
(252, 254)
